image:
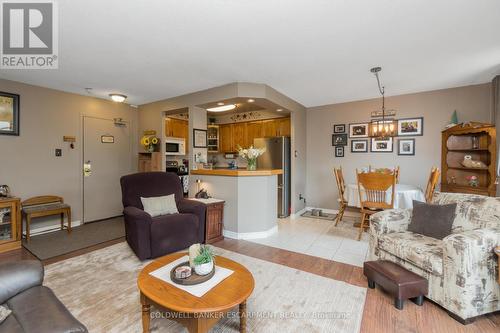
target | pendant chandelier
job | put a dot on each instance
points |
(383, 127)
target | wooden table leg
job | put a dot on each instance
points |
(146, 314)
(243, 317)
(28, 226)
(68, 215)
(62, 221)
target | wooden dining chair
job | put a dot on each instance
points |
(431, 184)
(373, 190)
(397, 173)
(339, 177)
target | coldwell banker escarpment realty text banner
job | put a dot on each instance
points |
(29, 34)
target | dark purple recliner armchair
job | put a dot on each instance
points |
(151, 237)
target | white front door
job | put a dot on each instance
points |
(107, 155)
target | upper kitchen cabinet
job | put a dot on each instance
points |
(239, 135)
(242, 134)
(176, 128)
(254, 130)
(226, 138)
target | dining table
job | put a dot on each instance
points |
(403, 198)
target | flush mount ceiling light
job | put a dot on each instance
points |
(279, 110)
(220, 103)
(118, 97)
(250, 100)
(222, 108)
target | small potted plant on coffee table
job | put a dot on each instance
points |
(204, 261)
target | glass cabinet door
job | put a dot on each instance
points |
(6, 216)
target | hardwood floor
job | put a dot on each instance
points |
(379, 313)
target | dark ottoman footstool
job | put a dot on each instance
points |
(397, 281)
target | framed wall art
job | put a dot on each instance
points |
(406, 147)
(9, 114)
(411, 126)
(339, 151)
(359, 146)
(381, 145)
(339, 128)
(339, 139)
(359, 130)
(200, 138)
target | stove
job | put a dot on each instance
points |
(182, 172)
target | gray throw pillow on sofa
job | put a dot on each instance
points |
(432, 220)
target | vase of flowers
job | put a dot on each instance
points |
(250, 155)
(204, 261)
(149, 142)
(473, 181)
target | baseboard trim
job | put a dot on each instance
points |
(250, 235)
(51, 228)
(326, 210)
(296, 215)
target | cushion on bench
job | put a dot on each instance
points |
(42, 208)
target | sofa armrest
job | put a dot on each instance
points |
(138, 231)
(389, 221)
(16, 277)
(469, 268)
(386, 222)
(197, 208)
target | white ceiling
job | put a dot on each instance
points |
(316, 52)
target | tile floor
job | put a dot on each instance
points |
(321, 238)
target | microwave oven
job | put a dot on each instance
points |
(175, 146)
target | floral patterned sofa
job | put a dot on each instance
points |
(462, 268)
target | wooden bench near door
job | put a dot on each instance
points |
(45, 205)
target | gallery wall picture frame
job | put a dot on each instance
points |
(9, 113)
(359, 146)
(411, 126)
(339, 151)
(382, 145)
(339, 128)
(199, 138)
(406, 147)
(339, 139)
(358, 130)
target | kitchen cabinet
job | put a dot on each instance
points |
(254, 130)
(177, 128)
(283, 127)
(242, 134)
(239, 135)
(226, 138)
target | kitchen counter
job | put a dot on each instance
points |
(237, 172)
(251, 199)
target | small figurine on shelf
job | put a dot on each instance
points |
(473, 181)
(468, 162)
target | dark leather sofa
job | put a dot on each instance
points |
(151, 237)
(34, 307)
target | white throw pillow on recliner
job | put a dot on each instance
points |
(156, 206)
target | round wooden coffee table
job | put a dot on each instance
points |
(197, 314)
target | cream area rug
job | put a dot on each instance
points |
(100, 290)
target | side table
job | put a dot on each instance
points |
(214, 219)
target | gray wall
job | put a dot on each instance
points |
(472, 104)
(27, 162)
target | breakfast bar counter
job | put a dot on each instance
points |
(237, 172)
(251, 199)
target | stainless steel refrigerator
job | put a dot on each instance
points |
(277, 156)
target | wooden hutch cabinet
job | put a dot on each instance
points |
(478, 141)
(10, 224)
